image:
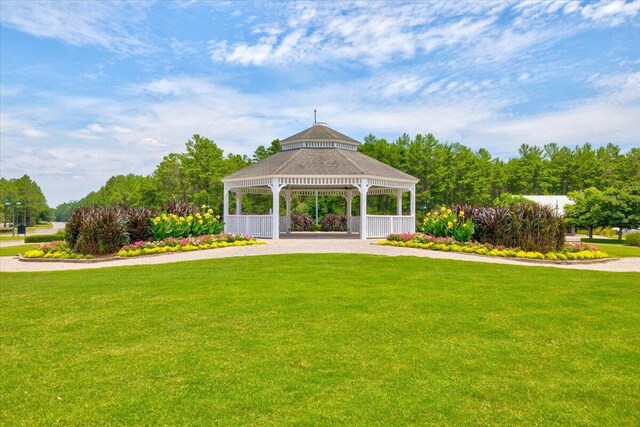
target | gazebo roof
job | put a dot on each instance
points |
(319, 132)
(320, 162)
(320, 151)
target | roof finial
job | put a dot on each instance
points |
(314, 116)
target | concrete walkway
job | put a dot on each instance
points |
(305, 245)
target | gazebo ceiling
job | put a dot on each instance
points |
(335, 157)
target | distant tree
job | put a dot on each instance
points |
(620, 208)
(63, 211)
(586, 212)
(508, 199)
(263, 152)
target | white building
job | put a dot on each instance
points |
(554, 202)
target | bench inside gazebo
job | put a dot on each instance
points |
(322, 161)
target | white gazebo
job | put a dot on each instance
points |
(319, 161)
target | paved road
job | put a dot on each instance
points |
(305, 245)
(57, 226)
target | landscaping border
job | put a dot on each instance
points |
(525, 260)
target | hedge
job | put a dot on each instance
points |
(607, 241)
(43, 238)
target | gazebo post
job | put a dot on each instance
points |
(238, 202)
(412, 191)
(287, 199)
(399, 201)
(349, 197)
(364, 188)
(225, 203)
(275, 220)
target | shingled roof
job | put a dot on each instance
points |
(319, 132)
(334, 154)
(320, 161)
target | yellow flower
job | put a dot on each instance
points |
(209, 211)
(450, 224)
(461, 214)
(190, 218)
(448, 211)
(203, 207)
(199, 221)
(443, 209)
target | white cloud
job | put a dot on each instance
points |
(111, 25)
(611, 12)
(376, 33)
(33, 133)
(152, 142)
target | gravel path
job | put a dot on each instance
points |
(292, 246)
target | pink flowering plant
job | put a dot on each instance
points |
(185, 244)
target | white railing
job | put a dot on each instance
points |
(383, 225)
(255, 225)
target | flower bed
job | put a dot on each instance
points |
(58, 249)
(62, 251)
(187, 244)
(571, 252)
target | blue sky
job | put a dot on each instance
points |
(93, 89)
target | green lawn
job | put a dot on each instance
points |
(10, 237)
(618, 250)
(18, 249)
(320, 339)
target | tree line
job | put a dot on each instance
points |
(448, 173)
(25, 197)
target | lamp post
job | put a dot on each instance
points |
(15, 204)
(6, 205)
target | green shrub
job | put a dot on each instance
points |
(198, 224)
(447, 223)
(42, 238)
(138, 224)
(334, 222)
(607, 241)
(632, 239)
(530, 227)
(302, 222)
(97, 231)
(180, 208)
(72, 229)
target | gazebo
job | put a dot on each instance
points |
(319, 161)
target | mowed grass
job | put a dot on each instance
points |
(17, 249)
(11, 238)
(618, 250)
(320, 339)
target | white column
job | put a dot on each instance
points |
(275, 214)
(225, 205)
(287, 198)
(238, 202)
(316, 207)
(364, 188)
(349, 198)
(399, 201)
(413, 206)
